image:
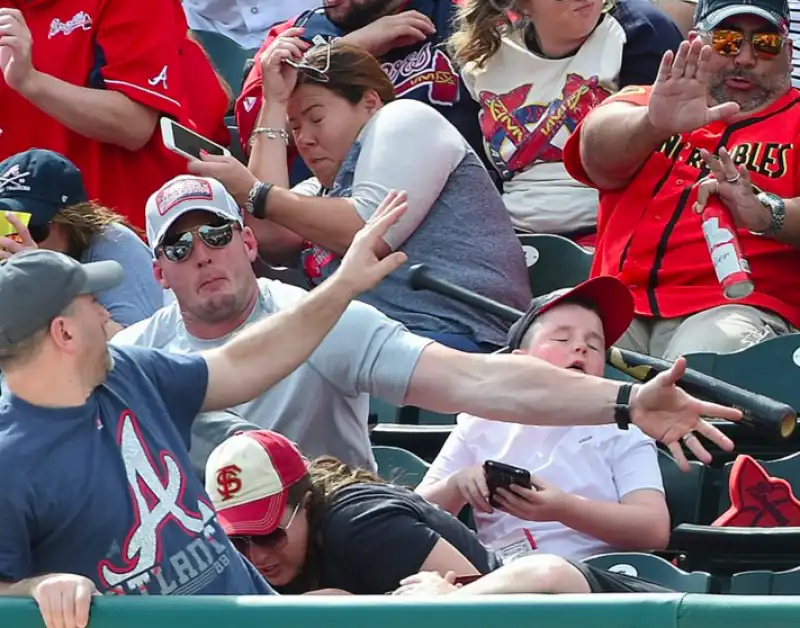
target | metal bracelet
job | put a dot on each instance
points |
(272, 134)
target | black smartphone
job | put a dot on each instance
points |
(501, 475)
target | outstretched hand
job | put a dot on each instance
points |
(671, 415)
(368, 259)
(679, 99)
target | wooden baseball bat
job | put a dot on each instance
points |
(758, 411)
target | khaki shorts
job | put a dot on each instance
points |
(721, 329)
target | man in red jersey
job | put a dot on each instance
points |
(89, 79)
(723, 121)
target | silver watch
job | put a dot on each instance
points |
(777, 208)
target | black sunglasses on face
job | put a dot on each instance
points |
(178, 247)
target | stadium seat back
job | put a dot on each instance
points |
(554, 262)
(766, 583)
(654, 569)
(683, 490)
(228, 57)
(399, 466)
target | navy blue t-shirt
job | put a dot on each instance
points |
(106, 490)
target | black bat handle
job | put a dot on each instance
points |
(420, 278)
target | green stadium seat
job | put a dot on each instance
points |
(683, 489)
(386, 412)
(228, 57)
(654, 569)
(554, 262)
(726, 550)
(400, 466)
(236, 145)
(766, 582)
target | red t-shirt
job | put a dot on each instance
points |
(650, 238)
(130, 47)
(206, 100)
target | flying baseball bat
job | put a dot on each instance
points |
(758, 411)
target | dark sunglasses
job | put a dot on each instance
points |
(275, 540)
(728, 42)
(179, 247)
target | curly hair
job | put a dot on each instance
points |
(481, 24)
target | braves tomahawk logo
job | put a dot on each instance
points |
(428, 68)
(518, 134)
(159, 507)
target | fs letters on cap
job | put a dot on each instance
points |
(180, 190)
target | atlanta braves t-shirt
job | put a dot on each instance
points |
(105, 490)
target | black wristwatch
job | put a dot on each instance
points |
(257, 199)
(622, 408)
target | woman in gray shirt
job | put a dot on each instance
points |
(362, 144)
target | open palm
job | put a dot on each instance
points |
(678, 102)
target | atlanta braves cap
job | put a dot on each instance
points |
(40, 182)
(248, 477)
(611, 298)
(37, 285)
(182, 195)
(710, 13)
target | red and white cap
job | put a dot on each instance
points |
(248, 477)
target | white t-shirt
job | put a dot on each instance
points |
(601, 463)
(244, 21)
(323, 405)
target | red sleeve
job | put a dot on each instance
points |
(205, 98)
(571, 154)
(248, 104)
(141, 43)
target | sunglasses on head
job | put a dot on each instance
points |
(728, 42)
(316, 74)
(275, 540)
(178, 247)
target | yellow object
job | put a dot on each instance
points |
(6, 228)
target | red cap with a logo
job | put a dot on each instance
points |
(248, 477)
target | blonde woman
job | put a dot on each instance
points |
(536, 68)
(49, 189)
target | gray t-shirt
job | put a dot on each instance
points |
(323, 405)
(139, 295)
(456, 221)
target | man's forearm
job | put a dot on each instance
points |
(264, 353)
(22, 588)
(102, 115)
(616, 140)
(511, 388)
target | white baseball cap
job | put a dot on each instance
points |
(184, 194)
(248, 478)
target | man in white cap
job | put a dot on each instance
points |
(204, 254)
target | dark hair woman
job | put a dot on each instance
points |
(361, 144)
(322, 525)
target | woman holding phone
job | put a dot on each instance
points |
(361, 143)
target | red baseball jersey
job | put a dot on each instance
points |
(649, 236)
(129, 47)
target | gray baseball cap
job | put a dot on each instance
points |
(37, 285)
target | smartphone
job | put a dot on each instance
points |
(7, 230)
(186, 142)
(501, 475)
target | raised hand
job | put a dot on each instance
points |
(367, 260)
(679, 99)
(671, 415)
(15, 49)
(278, 78)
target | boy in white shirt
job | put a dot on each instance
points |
(595, 489)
